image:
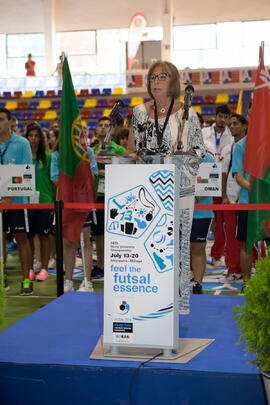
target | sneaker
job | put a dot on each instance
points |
(86, 286)
(12, 246)
(51, 264)
(216, 262)
(6, 286)
(31, 275)
(68, 286)
(42, 275)
(37, 266)
(78, 262)
(197, 288)
(234, 278)
(97, 273)
(26, 287)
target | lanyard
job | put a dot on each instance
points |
(36, 170)
(218, 138)
(160, 134)
(2, 153)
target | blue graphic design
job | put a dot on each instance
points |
(159, 244)
(163, 184)
(131, 212)
(160, 313)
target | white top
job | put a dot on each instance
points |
(232, 189)
(209, 138)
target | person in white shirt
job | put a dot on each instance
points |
(216, 138)
(230, 195)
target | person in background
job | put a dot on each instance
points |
(69, 247)
(40, 220)
(98, 228)
(243, 179)
(30, 66)
(199, 230)
(15, 149)
(230, 195)
(121, 136)
(216, 138)
(14, 125)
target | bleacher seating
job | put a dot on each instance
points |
(208, 110)
(7, 94)
(50, 115)
(28, 94)
(197, 100)
(90, 103)
(84, 93)
(22, 105)
(95, 92)
(222, 99)
(27, 116)
(209, 99)
(39, 93)
(17, 94)
(44, 105)
(92, 125)
(55, 105)
(50, 93)
(11, 105)
(38, 115)
(197, 108)
(118, 91)
(33, 105)
(106, 92)
(102, 102)
(233, 98)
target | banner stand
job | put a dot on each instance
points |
(142, 219)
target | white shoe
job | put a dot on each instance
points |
(37, 266)
(68, 286)
(51, 264)
(86, 286)
(78, 262)
(216, 262)
(233, 278)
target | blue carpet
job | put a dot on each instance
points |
(46, 355)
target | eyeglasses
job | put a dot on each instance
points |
(161, 77)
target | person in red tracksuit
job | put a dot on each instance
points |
(215, 139)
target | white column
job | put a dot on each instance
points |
(49, 32)
(167, 24)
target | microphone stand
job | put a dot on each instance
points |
(189, 91)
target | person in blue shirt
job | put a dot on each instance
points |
(199, 230)
(243, 179)
(15, 149)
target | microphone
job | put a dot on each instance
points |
(115, 110)
(189, 91)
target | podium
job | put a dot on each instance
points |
(146, 263)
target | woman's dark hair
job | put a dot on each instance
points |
(167, 67)
(34, 126)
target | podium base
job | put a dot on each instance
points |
(188, 349)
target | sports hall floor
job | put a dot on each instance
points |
(17, 307)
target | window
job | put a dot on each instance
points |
(18, 46)
(221, 45)
(80, 48)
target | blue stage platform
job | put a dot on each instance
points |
(44, 359)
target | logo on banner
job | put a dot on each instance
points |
(131, 213)
(159, 244)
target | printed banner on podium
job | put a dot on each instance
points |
(141, 256)
(17, 180)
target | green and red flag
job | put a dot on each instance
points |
(257, 157)
(75, 177)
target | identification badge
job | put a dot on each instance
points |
(101, 186)
(34, 199)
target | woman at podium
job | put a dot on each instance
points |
(157, 125)
(166, 127)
